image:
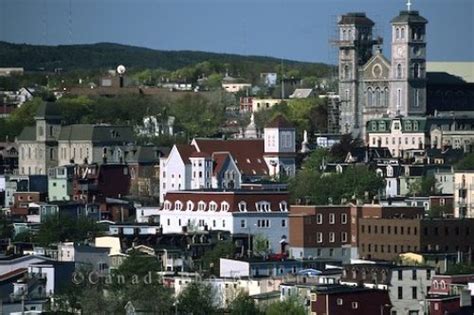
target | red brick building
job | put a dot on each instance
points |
(346, 300)
(332, 231)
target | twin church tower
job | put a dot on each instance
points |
(370, 85)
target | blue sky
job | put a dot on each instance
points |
(293, 29)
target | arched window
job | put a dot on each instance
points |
(399, 71)
(416, 71)
(387, 96)
(382, 98)
(242, 206)
(347, 72)
(201, 205)
(190, 205)
(212, 206)
(377, 97)
(283, 206)
(397, 33)
(178, 205)
(225, 206)
(167, 205)
(344, 35)
(369, 97)
(402, 35)
(349, 34)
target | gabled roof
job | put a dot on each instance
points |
(247, 153)
(185, 151)
(279, 121)
(27, 134)
(97, 133)
(220, 159)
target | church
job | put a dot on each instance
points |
(372, 86)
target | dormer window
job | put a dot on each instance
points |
(263, 206)
(225, 206)
(283, 206)
(189, 205)
(178, 205)
(212, 206)
(167, 205)
(242, 206)
(201, 206)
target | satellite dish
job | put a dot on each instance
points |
(121, 69)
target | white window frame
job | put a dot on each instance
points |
(332, 237)
(343, 218)
(189, 205)
(167, 205)
(332, 218)
(242, 206)
(225, 206)
(319, 218)
(178, 205)
(319, 237)
(201, 206)
(212, 206)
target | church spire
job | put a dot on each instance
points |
(409, 5)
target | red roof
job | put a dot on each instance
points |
(197, 154)
(185, 151)
(247, 153)
(219, 161)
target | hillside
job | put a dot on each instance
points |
(108, 55)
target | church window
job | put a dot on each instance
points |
(416, 71)
(369, 97)
(402, 33)
(399, 71)
(349, 33)
(344, 35)
(377, 97)
(387, 95)
(399, 97)
(347, 72)
(348, 98)
(382, 98)
(416, 102)
(397, 31)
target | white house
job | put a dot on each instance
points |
(227, 164)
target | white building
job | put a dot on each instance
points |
(226, 164)
(263, 213)
(464, 194)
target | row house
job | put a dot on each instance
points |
(332, 231)
(408, 133)
(387, 238)
(464, 193)
(249, 213)
(253, 104)
(227, 164)
(407, 286)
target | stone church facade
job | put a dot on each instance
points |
(372, 86)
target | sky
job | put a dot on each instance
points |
(290, 29)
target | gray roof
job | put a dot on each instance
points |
(409, 17)
(358, 18)
(48, 110)
(97, 133)
(27, 134)
(145, 154)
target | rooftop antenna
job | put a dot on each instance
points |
(409, 5)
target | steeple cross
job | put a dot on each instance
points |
(409, 5)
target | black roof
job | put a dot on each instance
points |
(409, 17)
(358, 18)
(48, 110)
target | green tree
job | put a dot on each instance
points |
(424, 186)
(56, 229)
(290, 306)
(467, 163)
(260, 245)
(197, 299)
(243, 305)
(347, 144)
(210, 260)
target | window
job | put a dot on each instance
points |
(167, 205)
(224, 206)
(369, 97)
(332, 237)
(399, 97)
(332, 218)
(377, 97)
(243, 223)
(343, 218)
(189, 205)
(283, 223)
(242, 206)
(319, 218)
(212, 206)
(355, 305)
(178, 205)
(339, 301)
(400, 274)
(399, 71)
(400, 293)
(201, 205)
(442, 284)
(413, 274)
(319, 237)
(283, 206)
(414, 293)
(343, 237)
(416, 98)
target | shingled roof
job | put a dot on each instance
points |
(48, 110)
(247, 153)
(409, 17)
(358, 18)
(97, 133)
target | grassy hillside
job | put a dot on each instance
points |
(107, 55)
